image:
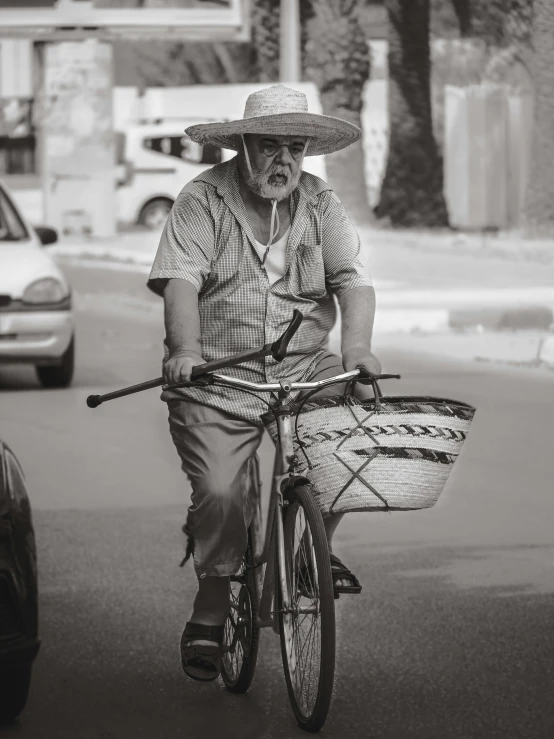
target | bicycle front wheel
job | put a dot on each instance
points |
(307, 622)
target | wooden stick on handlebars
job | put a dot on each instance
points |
(278, 350)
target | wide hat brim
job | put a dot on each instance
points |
(326, 133)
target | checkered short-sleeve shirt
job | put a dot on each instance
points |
(208, 241)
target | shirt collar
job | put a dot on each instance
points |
(225, 178)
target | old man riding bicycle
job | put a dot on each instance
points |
(246, 243)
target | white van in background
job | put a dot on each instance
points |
(154, 163)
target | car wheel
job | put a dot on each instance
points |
(154, 214)
(59, 375)
(14, 689)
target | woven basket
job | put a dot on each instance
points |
(393, 454)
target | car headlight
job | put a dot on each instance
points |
(46, 290)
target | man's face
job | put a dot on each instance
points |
(276, 164)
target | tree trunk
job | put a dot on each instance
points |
(412, 190)
(539, 205)
(337, 60)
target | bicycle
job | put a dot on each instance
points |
(287, 580)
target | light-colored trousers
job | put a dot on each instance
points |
(215, 448)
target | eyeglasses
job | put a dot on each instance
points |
(270, 148)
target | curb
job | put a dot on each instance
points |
(546, 352)
(408, 311)
(502, 317)
(104, 254)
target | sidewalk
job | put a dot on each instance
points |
(431, 285)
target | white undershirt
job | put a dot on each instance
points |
(275, 260)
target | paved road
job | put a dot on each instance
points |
(451, 638)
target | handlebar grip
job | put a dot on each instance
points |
(368, 379)
(93, 401)
(279, 347)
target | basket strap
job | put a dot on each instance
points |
(356, 475)
(359, 424)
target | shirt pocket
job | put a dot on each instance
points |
(310, 271)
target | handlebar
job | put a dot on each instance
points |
(264, 387)
(277, 350)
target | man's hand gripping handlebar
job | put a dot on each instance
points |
(278, 350)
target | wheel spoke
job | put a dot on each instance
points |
(307, 651)
(237, 639)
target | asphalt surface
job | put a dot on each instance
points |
(451, 638)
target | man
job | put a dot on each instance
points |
(245, 243)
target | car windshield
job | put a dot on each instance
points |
(11, 225)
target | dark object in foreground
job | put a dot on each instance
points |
(19, 642)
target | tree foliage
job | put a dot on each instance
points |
(498, 23)
(265, 39)
(336, 53)
(159, 63)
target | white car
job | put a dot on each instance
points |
(155, 161)
(36, 319)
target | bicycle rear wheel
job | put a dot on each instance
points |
(307, 626)
(241, 634)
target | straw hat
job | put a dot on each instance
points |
(279, 111)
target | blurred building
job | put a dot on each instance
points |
(17, 85)
(56, 93)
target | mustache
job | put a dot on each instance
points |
(283, 171)
(259, 182)
(279, 169)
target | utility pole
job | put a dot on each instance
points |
(289, 47)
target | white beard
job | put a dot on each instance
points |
(259, 183)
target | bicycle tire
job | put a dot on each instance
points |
(241, 633)
(310, 700)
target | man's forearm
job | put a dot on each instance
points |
(182, 320)
(357, 307)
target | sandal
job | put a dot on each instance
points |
(339, 571)
(201, 661)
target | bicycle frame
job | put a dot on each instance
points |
(273, 553)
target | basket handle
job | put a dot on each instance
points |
(377, 394)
